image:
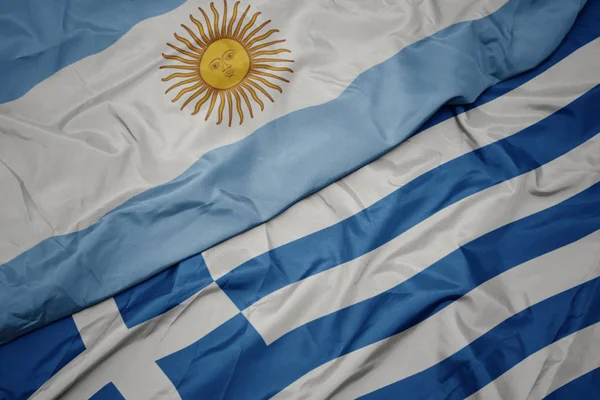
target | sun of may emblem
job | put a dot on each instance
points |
(227, 60)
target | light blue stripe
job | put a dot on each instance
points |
(239, 186)
(585, 30)
(515, 339)
(40, 37)
(586, 387)
(234, 360)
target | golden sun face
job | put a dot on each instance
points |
(225, 64)
(228, 62)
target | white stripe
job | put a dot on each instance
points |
(548, 369)
(426, 243)
(112, 133)
(466, 319)
(127, 357)
(489, 123)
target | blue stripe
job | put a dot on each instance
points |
(414, 202)
(583, 388)
(234, 360)
(28, 362)
(40, 37)
(515, 339)
(163, 291)
(239, 186)
(108, 392)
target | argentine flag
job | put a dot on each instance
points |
(299, 200)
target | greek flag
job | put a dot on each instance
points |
(300, 200)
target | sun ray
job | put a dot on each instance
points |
(249, 25)
(229, 106)
(233, 17)
(269, 75)
(193, 96)
(202, 101)
(253, 33)
(240, 22)
(208, 26)
(238, 105)
(226, 62)
(198, 24)
(188, 44)
(181, 83)
(221, 107)
(185, 67)
(198, 85)
(270, 60)
(179, 75)
(246, 100)
(259, 38)
(184, 52)
(180, 59)
(264, 82)
(224, 24)
(254, 95)
(262, 46)
(271, 68)
(269, 52)
(262, 90)
(196, 38)
(216, 20)
(213, 100)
